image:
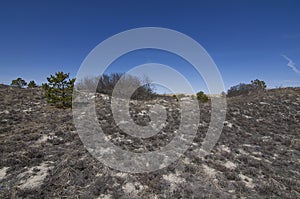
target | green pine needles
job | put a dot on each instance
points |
(31, 84)
(59, 90)
(19, 83)
(202, 97)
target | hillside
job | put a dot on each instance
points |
(257, 155)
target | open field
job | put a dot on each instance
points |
(257, 155)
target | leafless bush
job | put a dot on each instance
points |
(106, 83)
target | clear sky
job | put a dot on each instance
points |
(246, 39)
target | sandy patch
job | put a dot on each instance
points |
(225, 148)
(174, 180)
(133, 188)
(210, 172)
(230, 165)
(228, 124)
(5, 112)
(34, 177)
(103, 196)
(3, 172)
(121, 175)
(42, 139)
(248, 181)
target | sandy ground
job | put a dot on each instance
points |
(257, 155)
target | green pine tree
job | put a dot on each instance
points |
(259, 84)
(59, 90)
(19, 82)
(32, 84)
(202, 97)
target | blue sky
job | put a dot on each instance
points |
(246, 39)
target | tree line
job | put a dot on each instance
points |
(59, 88)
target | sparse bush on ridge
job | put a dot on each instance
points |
(223, 94)
(19, 82)
(178, 96)
(202, 97)
(243, 89)
(105, 84)
(258, 84)
(240, 89)
(31, 84)
(175, 97)
(59, 90)
(181, 95)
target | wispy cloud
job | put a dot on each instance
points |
(291, 64)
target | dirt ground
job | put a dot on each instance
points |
(257, 155)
